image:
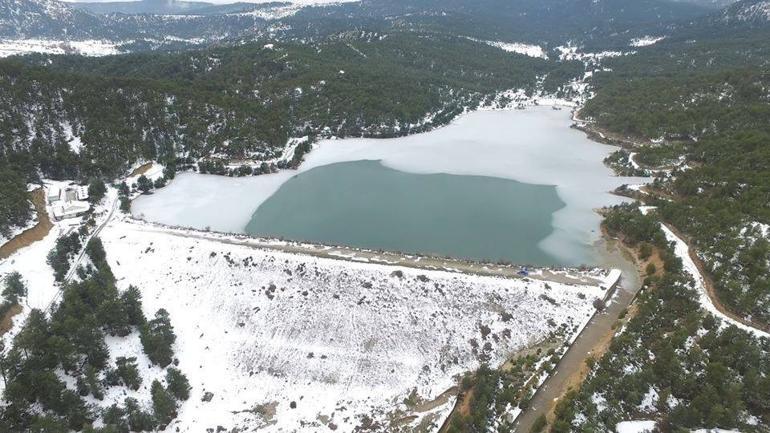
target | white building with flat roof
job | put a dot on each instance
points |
(53, 194)
(71, 209)
(82, 193)
(67, 200)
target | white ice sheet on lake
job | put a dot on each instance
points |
(535, 146)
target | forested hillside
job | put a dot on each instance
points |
(71, 117)
(240, 102)
(71, 344)
(713, 102)
(596, 25)
(671, 363)
(149, 25)
(698, 110)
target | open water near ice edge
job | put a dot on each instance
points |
(517, 185)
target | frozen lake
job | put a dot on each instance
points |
(535, 150)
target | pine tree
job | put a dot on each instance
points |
(163, 404)
(132, 306)
(14, 288)
(177, 384)
(157, 338)
(115, 417)
(144, 184)
(127, 370)
(93, 382)
(96, 190)
(138, 420)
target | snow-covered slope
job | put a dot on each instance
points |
(284, 341)
(750, 11)
(12, 47)
(48, 25)
(45, 18)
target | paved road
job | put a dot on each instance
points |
(597, 332)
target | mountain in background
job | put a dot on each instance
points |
(595, 25)
(714, 4)
(46, 19)
(54, 22)
(169, 7)
(748, 11)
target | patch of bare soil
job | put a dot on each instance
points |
(6, 323)
(142, 169)
(34, 234)
(438, 401)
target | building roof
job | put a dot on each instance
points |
(53, 192)
(70, 209)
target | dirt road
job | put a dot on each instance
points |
(34, 234)
(565, 275)
(595, 338)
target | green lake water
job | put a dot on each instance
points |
(365, 204)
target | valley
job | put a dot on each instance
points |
(385, 216)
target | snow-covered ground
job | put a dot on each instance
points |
(683, 252)
(10, 47)
(644, 426)
(300, 3)
(646, 41)
(530, 50)
(275, 12)
(31, 261)
(261, 329)
(570, 52)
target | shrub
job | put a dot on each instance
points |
(651, 269)
(144, 184)
(539, 424)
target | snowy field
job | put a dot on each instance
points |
(530, 50)
(12, 47)
(298, 343)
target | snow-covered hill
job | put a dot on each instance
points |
(45, 18)
(38, 25)
(754, 11)
(285, 341)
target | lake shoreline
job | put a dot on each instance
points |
(559, 274)
(525, 146)
(592, 336)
